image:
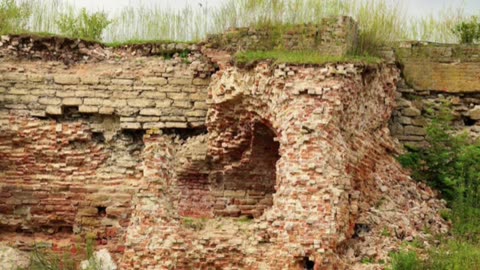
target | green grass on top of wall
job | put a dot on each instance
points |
(134, 42)
(300, 57)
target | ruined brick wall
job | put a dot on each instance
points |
(333, 36)
(57, 178)
(71, 139)
(436, 77)
(333, 167)
(173, 163)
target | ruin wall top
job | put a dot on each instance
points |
(450, 68)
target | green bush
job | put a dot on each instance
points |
(451, 164)
(84, 25)
(468, 31)
(13, 16)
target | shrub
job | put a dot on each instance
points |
(84, 25)
(451, 164)
(13, 16)
(468, 31)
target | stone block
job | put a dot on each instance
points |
(50, 101)
(182, 104)
(474, 114)
(141, 103)
(163, 103)
(411, 112)
(90, 80)
(130, 125)
(153, 94)
(38, 113)
(155, 112)
(202, 82)
(17, 77)
(106, 110)
(72, 101)
(117, 103)
(93, 101)
(126, 111)
(200, 105)
(412, 130)
(18, 91)
(65, 93)
(43, 92)
(66, 79)
(154, 81)
(147, 119)
(35, 78)
(87, 109)
(180, 81)
(150, 125)
(54, 110)
(122, 81)
(196, 113)
(28, 99)
(177, 96)
(175, 125)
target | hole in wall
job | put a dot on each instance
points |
(308, 264)
(360, 229)
(101, 211)
(136, 136)
(248, 184)
(467, 121)
(98, 137)
(185, 133)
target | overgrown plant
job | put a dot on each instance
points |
(42, 258)
(451, 164)
(468, 31)
(13, 16)
(84, 25)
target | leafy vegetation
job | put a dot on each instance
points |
(13, 17)
(451, 164)
(303, 57)
(381, 21)
(406, 260)
(42, 258)
(468, 31)
(84, 25)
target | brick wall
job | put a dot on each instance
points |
(333, 36)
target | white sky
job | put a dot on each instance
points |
(415, 7)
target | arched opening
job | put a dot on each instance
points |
(246, 186)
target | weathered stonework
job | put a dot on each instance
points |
(437, 77)
(143, 93)
(333, 36)
(440, 67)
(192, 163)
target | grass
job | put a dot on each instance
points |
(119, 44)
(381, 21)
(303, 57)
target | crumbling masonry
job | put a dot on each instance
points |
(172, 157)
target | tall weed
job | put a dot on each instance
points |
(13, 16)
